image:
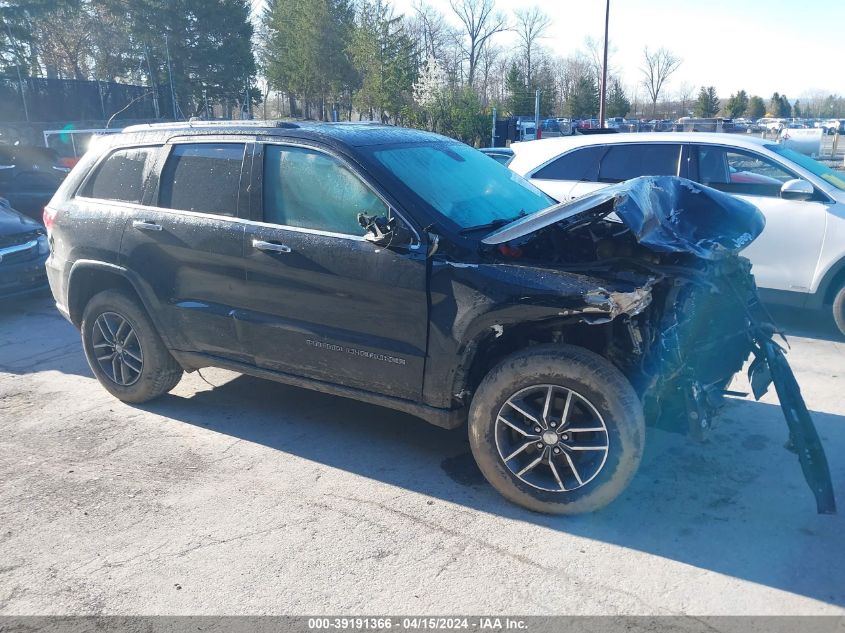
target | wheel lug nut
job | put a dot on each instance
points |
(553, 424)
(565, 436)
(556, 450)
(539, 445)
(537, 429)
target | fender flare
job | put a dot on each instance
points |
(829, 282)
(144, 293)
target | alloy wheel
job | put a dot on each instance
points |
(551, 438)
(117, 349)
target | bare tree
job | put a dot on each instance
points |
(531, 25)
(685, 92)
(659, 66)
(480, 22)
(595, 54)
(430, 29)
(487, 64)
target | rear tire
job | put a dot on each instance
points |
(124, 349)
(839, 310)
(574, 475)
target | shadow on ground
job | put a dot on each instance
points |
(35, 337)
(806, 323)
(736, 505)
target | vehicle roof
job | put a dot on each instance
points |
(356, 134)
(530, 154)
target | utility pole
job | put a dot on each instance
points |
(493, 133)
(153, 86)
(21, 85)
(603, 93)
(170, 74)
(537, 114)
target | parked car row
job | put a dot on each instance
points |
(799, 259)
(406, 269)
(29, 176)
(23, 252)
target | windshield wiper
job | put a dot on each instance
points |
(492, 224)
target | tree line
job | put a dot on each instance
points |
(203, 48)
(349, 59)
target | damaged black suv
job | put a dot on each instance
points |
(409, 270)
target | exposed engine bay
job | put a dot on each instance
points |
(690, 316)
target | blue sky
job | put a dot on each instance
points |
(795, 48)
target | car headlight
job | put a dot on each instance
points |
(43, 245)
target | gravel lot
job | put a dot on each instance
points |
(245, 496)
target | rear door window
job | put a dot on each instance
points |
(308, 189)
(623, 162)
(122, 175)
(202, 177)
(581, 165)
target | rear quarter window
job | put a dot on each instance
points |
(624, 162)
(578, 165)
(122, 175)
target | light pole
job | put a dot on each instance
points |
(603, 93)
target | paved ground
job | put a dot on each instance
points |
(243, 496)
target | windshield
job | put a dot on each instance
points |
(461, 183)
(835, 178)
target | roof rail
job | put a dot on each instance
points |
(171, 125)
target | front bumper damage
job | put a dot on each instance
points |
(770, 367)
(699, 317)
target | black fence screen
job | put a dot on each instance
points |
(48, 100)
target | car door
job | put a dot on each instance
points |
(185, 244)
(786, 254)
(594, 167)
(323, 302)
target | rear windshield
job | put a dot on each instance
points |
(461, 183)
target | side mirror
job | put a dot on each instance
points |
(384, 231)
(796, 189)
(378, 227)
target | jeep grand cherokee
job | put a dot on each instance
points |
(407, 269)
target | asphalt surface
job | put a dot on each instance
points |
(247, 497)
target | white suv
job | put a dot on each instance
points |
(799, 259)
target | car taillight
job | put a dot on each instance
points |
(49, 217)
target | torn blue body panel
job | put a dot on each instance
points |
(665, 214)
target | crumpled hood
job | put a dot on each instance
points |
(664, 213)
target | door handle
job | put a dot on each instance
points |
(270, 246)
(146, 225)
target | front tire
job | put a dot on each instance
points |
(557, 429)
(124, 350)
(839, 310)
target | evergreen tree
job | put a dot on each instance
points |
(307, 51)
(584, 99)
(707, 104)
(756, 108)
(209, 45)
(737, 104)
(776, 106)
(617, 103)
(383, 55)
(785, 107)
(520, 101)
